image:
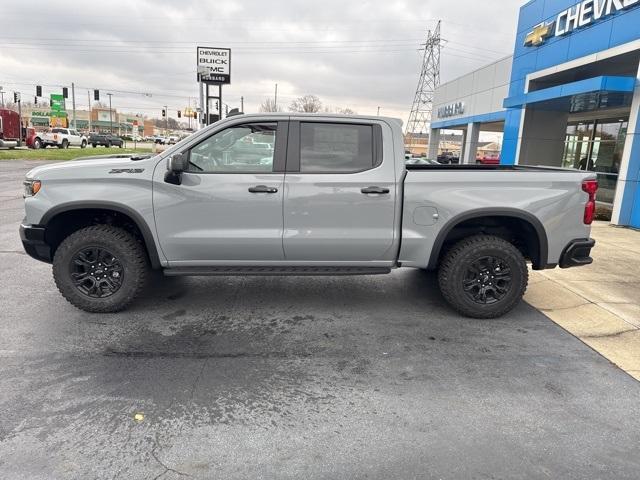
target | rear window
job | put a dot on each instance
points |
(58, 130)
(335, 148)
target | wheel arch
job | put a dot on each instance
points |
(511, 219)
(52, 218)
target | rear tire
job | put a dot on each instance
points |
(107, 280)
(83, 144)
(107, 145)
(483, 276)
(65, 144)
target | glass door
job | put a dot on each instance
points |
(597, 146)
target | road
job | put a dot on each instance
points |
(321, 378)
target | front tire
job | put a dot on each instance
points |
(100, 269)
(483, 276)
(65, 144)
(83, 144)
(37, 144)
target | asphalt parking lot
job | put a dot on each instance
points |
(370, 377)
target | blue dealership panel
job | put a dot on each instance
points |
(608, 32)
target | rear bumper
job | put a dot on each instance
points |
(577, 253)
(34, 244)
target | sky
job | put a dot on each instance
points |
(351, 54)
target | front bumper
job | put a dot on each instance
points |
(33, 241)
(576, 254)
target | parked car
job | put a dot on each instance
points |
(160, 140)
(488, 159)
(448, 159)
(335, 198)
(173, 139)
(63, 138)
(105, 140)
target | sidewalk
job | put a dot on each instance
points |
(600, 303)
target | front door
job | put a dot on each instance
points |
(228, 208)
(340, 195)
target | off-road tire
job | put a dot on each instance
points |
(124, 246)
(454, 265)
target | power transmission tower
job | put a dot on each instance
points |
(422, 109)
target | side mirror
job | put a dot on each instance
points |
(178, 163)
(175, 166)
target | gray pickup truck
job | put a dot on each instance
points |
(289, 194)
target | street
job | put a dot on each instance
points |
(363, 377)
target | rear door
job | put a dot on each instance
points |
(340, 194)
(228, 208)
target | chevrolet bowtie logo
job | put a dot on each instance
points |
(539, 34)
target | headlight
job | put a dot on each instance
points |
(31, 187)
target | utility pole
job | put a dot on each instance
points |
(275, 99)
(242, 104)
(422, 109)
(110, 116)
(73, 103)
(20, 117)
(378, 111)
(2, 95)
(89, 100)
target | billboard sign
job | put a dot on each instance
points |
(214, 65)
(57, 102)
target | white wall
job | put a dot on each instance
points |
(482, 91)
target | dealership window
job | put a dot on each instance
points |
(597, 146)
(335, 148)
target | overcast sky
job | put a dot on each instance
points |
(356, 54)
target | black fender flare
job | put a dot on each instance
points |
(142, 225)
(543, 242)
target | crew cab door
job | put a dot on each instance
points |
(227, 210)
(340, 195)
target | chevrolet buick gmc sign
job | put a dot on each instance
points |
(214, 65)
(451, 110)
(585, 13)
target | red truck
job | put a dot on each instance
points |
(10, 131)
(9, 128)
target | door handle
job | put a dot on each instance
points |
(375, 190)
(263, 189)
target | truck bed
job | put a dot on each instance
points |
(475, 167)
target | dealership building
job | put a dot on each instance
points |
(569, 96)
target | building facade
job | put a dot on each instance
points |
(570, 97)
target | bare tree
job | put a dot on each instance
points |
(269, 105)
(306, 104)
(341, 111)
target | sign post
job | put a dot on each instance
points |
(214, 68)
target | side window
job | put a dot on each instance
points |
(245, 148)
(336, 148)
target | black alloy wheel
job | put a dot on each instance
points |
(96, 272)
(487, 280)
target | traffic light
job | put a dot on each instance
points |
(217, 108)
(35, 100)
(16, 97)
(38, 91)
(179, 114)
(65, 92)
(195, 115)
(96, 95)
(164, 113)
